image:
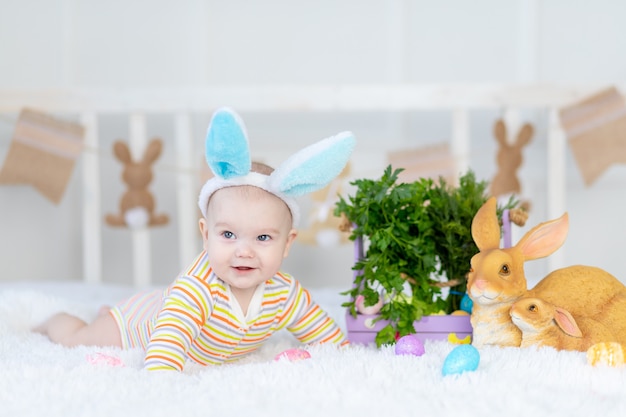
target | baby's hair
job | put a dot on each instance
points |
(261, 168)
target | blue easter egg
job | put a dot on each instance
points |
(466, 303)
(409, 345)
(461, 359)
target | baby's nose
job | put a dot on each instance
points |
(244, 250)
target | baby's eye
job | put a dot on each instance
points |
(505, 270)
(532, 308)
(264, 238)
(228, 235)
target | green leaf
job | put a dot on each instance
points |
(386, 336)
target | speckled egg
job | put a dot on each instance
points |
(409, 345)
(608, 353)
(293, 355)
(461, 359)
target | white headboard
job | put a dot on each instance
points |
(179, 104)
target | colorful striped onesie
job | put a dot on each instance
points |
(196, 318)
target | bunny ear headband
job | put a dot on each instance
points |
(308, 170)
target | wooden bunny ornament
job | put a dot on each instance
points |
(544, 324)
(137, 203)
(324, 228)
(496, 280)
(509, 159)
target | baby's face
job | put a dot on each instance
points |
(247, 233)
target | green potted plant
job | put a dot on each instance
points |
(417, 247)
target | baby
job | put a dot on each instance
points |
(233, 297)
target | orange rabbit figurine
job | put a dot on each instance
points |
(544, 324)
(496, 280)
(137, 203)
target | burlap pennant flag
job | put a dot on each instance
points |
(43, 153)
(432, 161)
(596, 132)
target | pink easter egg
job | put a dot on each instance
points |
(359, 303)
(101, 358)
(293, 355)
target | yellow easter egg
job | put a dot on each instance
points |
(459, 313)
(606, 353)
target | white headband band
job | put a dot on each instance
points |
(310, 169)
(253, 178)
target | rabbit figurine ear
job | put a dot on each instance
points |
(566, 322)
(313, 167)
(227, 150)
(485, 227)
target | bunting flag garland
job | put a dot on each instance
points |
(43, 153)
(432, 161)
(596, 132)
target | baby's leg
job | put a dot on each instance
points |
(71, 331)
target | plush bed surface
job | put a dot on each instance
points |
(40, 378)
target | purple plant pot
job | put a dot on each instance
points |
(362, 329)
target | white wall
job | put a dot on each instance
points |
(158, 43)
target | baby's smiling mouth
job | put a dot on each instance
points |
(242, 268)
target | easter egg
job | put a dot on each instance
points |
(101, 358)
(409, 345)
(293, 355)
(609, 353)
(467, 304)
(461, 359)
(359, 303)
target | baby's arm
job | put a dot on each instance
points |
(179, 322)
(308, 322)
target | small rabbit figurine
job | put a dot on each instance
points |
(496, 280)
(137, 203)
(544, 324)
(509, 159)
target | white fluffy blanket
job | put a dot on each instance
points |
(38, 378)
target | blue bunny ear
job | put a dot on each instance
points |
(313, 167)
(227, 150)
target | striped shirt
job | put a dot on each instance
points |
(196, 318)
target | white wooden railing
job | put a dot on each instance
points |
(90, 104)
